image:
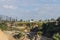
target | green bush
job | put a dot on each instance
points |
(20, 34)
(2, 26)
(56, 36)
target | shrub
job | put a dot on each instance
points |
(56, 36)
(2, 26)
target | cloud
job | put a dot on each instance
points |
(9, 6)
(32, 8)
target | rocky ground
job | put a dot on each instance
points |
(4, 36)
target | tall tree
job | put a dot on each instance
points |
(21, 20)
(58, 19)
(32, 19)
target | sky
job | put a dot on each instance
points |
(30, 9)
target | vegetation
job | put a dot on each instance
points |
(3, 26)
(49, 28)
(56, 36)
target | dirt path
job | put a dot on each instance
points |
(4, 36)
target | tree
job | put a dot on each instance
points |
(58, 19)
(49, 28)
(32, 19)
(40, 20)
(21, 20)
(52, 19)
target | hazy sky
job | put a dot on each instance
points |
(30, 9)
